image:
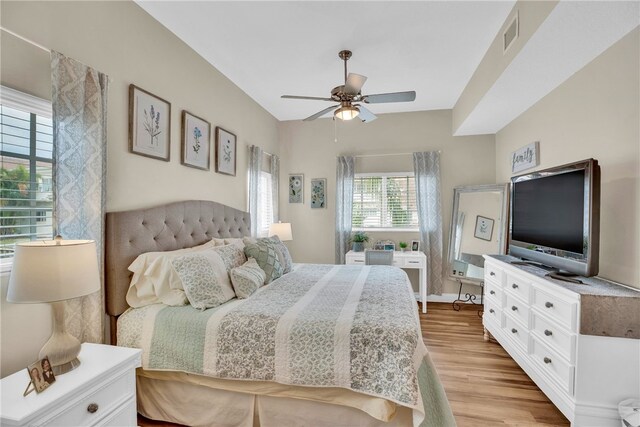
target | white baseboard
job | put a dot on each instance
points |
(445, 298)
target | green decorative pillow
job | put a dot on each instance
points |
(285, 256)
(267, 256)
(204, 279)
(247, 278)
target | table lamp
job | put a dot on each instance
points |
(53, 271)
(282, 230)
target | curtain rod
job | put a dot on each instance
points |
(385, 155)
(31, 42)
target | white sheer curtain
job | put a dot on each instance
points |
(255, 170)
(275, 187)
(79, 105)
(426, 166)
(345, 171)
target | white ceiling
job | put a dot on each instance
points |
(270, 49)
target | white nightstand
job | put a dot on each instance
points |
(106, 378)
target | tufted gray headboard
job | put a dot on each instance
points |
(163, 228)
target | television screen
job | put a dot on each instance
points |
(549, 211)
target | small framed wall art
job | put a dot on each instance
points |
(484, 228)
(225, 152)
(318, 193)
(149, 124)
(296, 188)
(196, 133)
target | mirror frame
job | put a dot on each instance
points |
(502, 231)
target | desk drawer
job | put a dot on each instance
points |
(553, 336)
(413, 262)
(518, 286)
(516, 308)
(517, 332)
(354, 260)
(552, 364)
(398, 262)
(559, 309)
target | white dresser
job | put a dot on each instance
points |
(537, 321)
(100, 392)
(413, 260)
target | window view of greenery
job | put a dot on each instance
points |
(26, 185)
(384, 202)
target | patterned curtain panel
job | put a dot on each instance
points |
(79, 103)
(275, 187)
(426, 166)
(345, 170)
(255, 167)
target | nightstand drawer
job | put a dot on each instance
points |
(89, 410)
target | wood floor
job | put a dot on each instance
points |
(484, 385)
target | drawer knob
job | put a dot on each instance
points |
(514, 286)
(492, 292)
(514, 308)
(92, 408)
(548, 332)
(547, 360)
(548, 304)
(491, 310)
(492, 274)
(514, 331)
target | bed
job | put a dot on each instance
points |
(322, 345)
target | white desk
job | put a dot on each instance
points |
(417, 260)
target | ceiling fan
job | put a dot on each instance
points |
(349, 95)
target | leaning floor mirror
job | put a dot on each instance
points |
(478, 227)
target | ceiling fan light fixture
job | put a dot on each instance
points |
(348, 112)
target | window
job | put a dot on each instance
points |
(385, 201)
(265, 204)
(26, 157)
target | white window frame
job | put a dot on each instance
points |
(384, 195)
(30, 104)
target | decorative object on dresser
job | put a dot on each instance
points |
(403, 246)
(415, 245)
(469, 241)
(282, 230)
(318, 193)
(41, 376)
(149, 124)
(196, 137)
(526, 157)
(358, 239)
(225, 152)
(580, 343)
(54, 271)
(296, 188)
(100, 392)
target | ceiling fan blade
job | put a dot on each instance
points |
(390, 97)
(320, 113)
(366, 115)
(354, 83)
(315, 98)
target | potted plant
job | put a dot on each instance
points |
(358, 240)
(403, 246)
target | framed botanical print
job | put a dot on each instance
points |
(318, 193)
(195, 149)
(225, 152)
(296, 188)
(149, 124)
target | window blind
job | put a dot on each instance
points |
(384, 201)
(265, 204)
(26, 178)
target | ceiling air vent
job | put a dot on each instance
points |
(511, 33)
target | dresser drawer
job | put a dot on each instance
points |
(493, 292)
(518, 286)
(554, 366)
(492, 311)
(493, 273)
(107, 398)
(555, 337)
(516, 308)
(560, 309)
(517, 332)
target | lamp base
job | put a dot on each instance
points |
(62, 349)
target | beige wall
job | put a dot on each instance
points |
(309, 147)
(123, 41)
(596, 113)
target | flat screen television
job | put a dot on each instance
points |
(555, 217)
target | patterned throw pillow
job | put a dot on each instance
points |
(204, 279)
(267, 256)
(232, 255)
(285, 258)
(247, 278)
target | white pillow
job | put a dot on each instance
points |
(141, 289)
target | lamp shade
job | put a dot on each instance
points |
(282, 230)
(53, 270)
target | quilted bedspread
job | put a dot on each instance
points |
(355, 327)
